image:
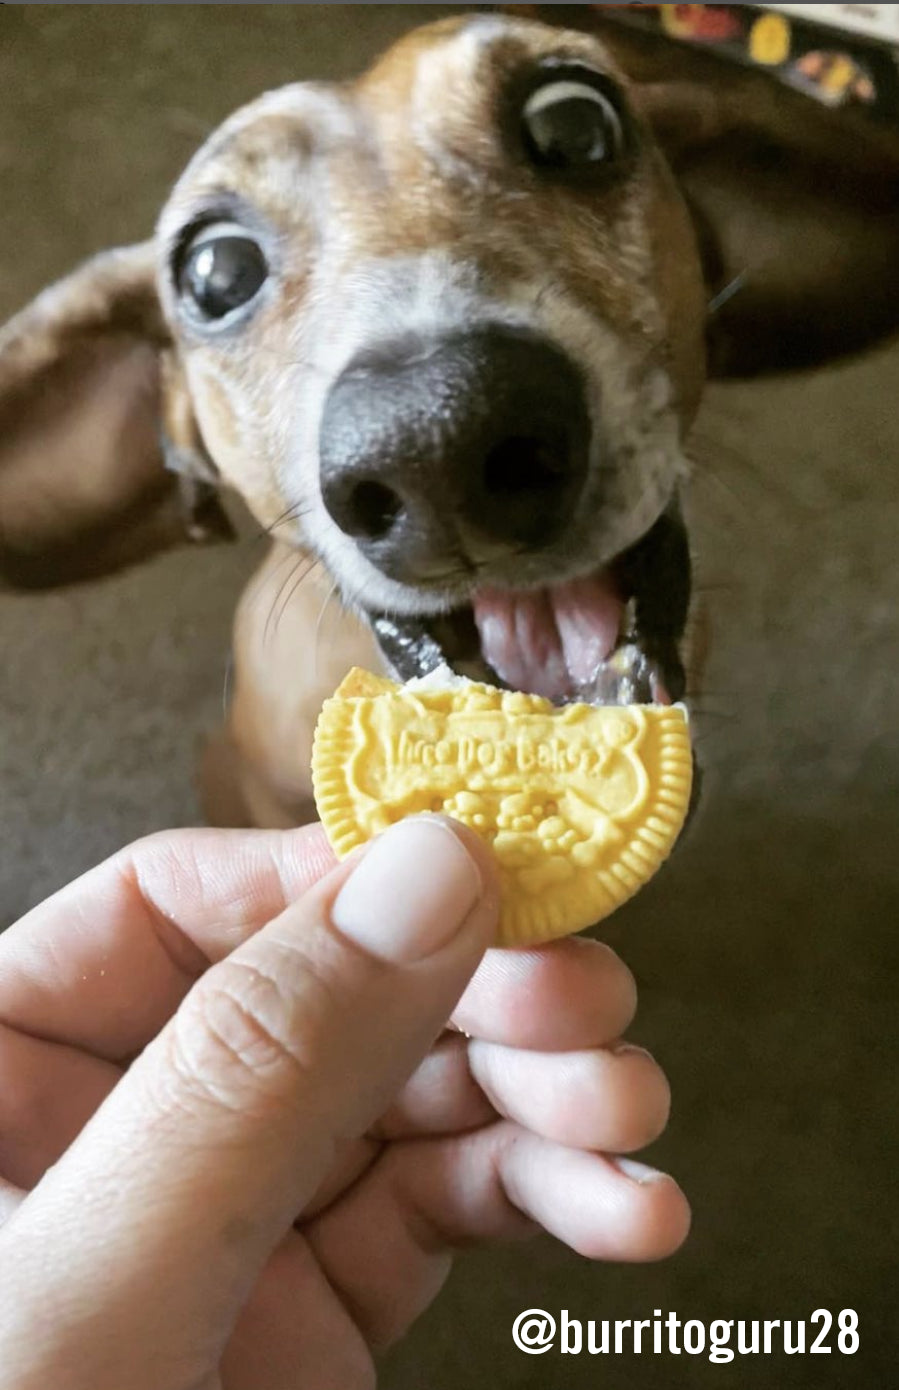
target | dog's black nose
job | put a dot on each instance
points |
(459, 451)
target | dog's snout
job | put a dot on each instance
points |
(460, 450)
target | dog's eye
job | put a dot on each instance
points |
(570, 125)
(223, 269)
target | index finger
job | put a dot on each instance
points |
(107, 960)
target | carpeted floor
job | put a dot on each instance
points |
(767, 953)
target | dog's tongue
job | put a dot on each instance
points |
(550, 642)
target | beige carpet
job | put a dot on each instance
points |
(767, 954)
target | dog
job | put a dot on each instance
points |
(445, 331)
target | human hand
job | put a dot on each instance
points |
(234, 1154)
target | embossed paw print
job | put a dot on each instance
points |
(517, 812)
(556, 835)
(465, 804)
(472, 810)
(515, 851)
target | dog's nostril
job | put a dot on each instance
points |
(372, 510)
(524, 465)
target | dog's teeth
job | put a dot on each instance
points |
(442, 677)
(624, 678)
(628, 629)
(410, 652)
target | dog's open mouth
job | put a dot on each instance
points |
(609, 638)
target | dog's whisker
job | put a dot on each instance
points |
(290, 556)
(706, 441)
(226, 683)
(707, 450)
(733, 287)
(285, 521)
(295, 561)
(305, 570)
(285, 592)
(185, 122)
(314, 565)
(281, 517)
(296, 512)
(326, 601)
(705, 476)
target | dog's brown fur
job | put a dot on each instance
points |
(93, 368)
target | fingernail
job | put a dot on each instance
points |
(411, 892)
(637, 1172)
(629, 1049)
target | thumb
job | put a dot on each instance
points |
(204, 1154)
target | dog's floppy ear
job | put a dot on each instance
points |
(796, 205)
(93, 421)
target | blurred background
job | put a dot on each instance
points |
(766, 954)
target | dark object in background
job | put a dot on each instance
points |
(839, 61)
(820, 182)
(826, 61)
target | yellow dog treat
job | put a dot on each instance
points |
(580, 804)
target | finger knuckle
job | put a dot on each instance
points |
(238, 1039)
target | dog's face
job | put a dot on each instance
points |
(445, 327)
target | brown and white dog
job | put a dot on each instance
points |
(445, 331)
